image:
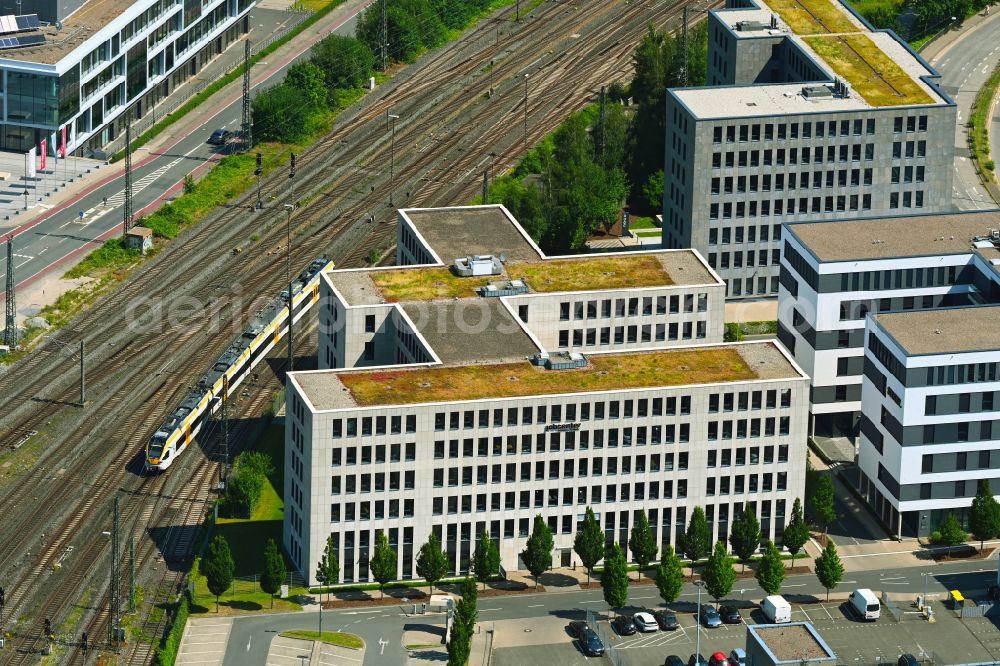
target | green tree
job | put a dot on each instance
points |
(309, 78)
(984, 514)
(217, 567)
(244, 489)
(696, 542)
(821, 502)
(383, 562)
(256, 461)
(432, 563)
(537, 553)
(274, 570)
(770, 570)
(950, 532)
(344, 61)
(589, 542)
(642, 543)
(614, 578)
(486, 559)
(796, 531)
(652, 190)
(719, 574)
(281, 113)
(459, 645)
(669, 575)
(829, 569)
(328, 569)
(466, 611)
(744, 536)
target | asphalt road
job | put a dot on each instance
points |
(964, 66)
(51, 241)
(382, 628)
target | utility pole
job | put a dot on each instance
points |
(127, 209)
(10, 334)
(288, 275)
(385, 35)
(525, 113)
(247, 125)
(486, 186)
(491, 78)
(517, 11)
(83, 375)
(392, 157)
(131, 573)
(602, 126)
(224, 472)
(114, 589)
(682, 77)
(258, 172)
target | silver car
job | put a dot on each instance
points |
(645, 622)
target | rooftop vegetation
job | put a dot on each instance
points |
(812, 17)
(583, 274)
(604, 373)
(879, 80)
(424, 284)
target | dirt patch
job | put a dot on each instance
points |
(500, 592)
(961, 553)
(645, 580)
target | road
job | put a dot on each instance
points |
(964, 66)
(66, 234)
(250, 636)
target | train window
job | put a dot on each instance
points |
(396, 425)
(411, 423)
(352, 427)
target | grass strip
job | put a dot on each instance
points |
(979, 125)
(337, 638)
(166, 652)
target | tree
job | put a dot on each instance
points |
(309, 78)
(950, 532)
(984, 514)
(432, 563)
(614, 578)
(669, 575)
(829, 568)
(770, 570)
(745, 535)
(383, 562)
(796, 531)
(589, 542)
(642, 543)
(274, 570)
(466, 612)
(821, 502)
(281, 113)
(460, 645)
(218, 567)
(328, 569)
(697, 540)
(486, 559)
(537, 553)
(719, 574)
(344, 61)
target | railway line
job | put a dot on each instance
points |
(154, 335)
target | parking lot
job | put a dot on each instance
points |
(948, 640)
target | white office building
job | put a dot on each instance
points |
(491, 383)
(807, 115)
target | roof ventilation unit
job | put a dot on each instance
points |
(816, 92)
(477, 265)
(749, 26)
(559, 360)
(510, 288)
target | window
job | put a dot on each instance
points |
(369, 323)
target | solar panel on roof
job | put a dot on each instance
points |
(10, 24)
(28, 22)
(31, 40)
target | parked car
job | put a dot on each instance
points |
(730, 614)
(696, 660)
(907, 660)
(645, 622)
(673, 660)
(591, 643)
(666, 620)
(710, 617)
(220, 137)
(623, 625)
(738, 657)
(576, 628)
(718, 659)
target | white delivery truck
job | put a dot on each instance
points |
(865, 603)
(776, 609)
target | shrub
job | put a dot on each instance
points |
(166, 652)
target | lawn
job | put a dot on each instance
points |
(812, 17)
(615, 272)
(642, 222)
(329, 637)
(424, 284)
(604, 373)
(869, 70)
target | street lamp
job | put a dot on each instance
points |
(392, 155)
(288, 274)
(697, 650)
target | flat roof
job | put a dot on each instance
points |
(894, 237)
(487, 333)
(77, 28)
(460, 231)
(402, 385)
(945, 330)
(792, 642)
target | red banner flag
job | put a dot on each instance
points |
(62, 148)
(43, 151)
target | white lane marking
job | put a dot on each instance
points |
(248, 643)
(536, 606)
(382, 643)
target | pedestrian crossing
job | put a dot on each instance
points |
(118, 199)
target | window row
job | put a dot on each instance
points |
(564, 468)
(529, 415)
(590, 337)
(782, 131)
(349, 454)
(374, 425)
(806, 155)
(961, 403)
(901, 149)
(367, 483)
(725, 485)
(736, 287)
(370, 510)
(565, 441)
(767, 207)
(747, 428)
(632, 307)
(799, 180)
(907, 200)
(749, 258)
(725, 457)
(736, 234)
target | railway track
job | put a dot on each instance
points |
(138, 369)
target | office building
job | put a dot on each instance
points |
(929, 401)
(808, 114)
(91, 61)
(834, 274)
(490, 383)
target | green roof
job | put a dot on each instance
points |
(424, 284)
(812, 17)
(603, 373)
(622, 271)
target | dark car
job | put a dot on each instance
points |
(591, 643)
(666, 620)
(220, 137)
(696, 660)
(718, 659)
(673, 660)
(710, 617)
(730, 615)
(623, 625)
(576, 628)
(907, 660)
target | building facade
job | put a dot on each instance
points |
(834, 274)
(106, 57)
(784, 133)
(930, 401)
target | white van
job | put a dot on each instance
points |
(776, 609)
(865, 603)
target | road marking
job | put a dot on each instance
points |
(483, 610)
(536, 606)
(248, 643)
(382, 644)
(362, 612)
(796, 585)
(592, 602)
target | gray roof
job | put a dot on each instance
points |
(944, 331)
(78, 27)
(462, 231)
(894, 237)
